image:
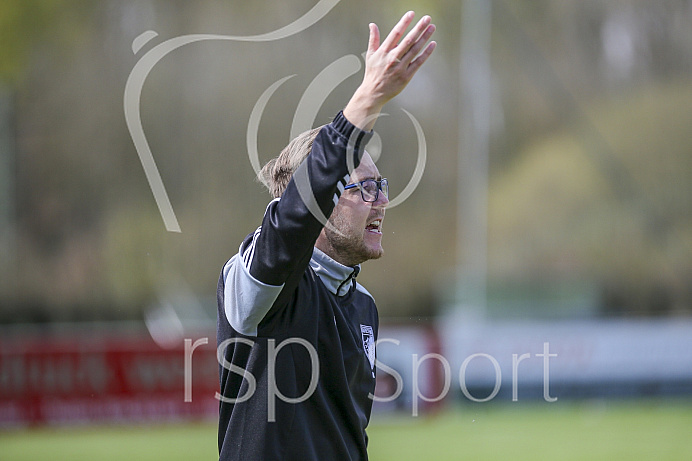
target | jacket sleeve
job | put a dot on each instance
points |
(271, 260)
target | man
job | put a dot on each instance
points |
(296, 333)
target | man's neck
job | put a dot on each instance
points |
(325, 247)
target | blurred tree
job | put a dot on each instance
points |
(555, 213)
(24, 23)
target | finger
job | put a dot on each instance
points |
(416, 63)
(397, 32)
(418, 45)
(374, 40)
(413, 36)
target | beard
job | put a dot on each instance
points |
(347, 242)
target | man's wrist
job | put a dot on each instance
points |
(363, 110)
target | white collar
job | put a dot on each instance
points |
(332, 273)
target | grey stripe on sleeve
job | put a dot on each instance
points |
(246, 299)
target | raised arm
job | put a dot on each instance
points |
(389, 66)
(271, 261)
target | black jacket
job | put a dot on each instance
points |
(296, 333)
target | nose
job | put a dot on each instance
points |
(382, 201)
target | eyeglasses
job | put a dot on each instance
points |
(370, 188)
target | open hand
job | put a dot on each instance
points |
(389, 66)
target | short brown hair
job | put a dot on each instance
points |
(277, 173)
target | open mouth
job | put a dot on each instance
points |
(375, 226)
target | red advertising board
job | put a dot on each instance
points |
(80, 377)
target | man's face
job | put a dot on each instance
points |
(357, 233)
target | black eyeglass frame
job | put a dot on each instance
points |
(382, 185)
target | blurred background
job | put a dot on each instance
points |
(554, 206)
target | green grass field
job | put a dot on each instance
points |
(652, 430)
